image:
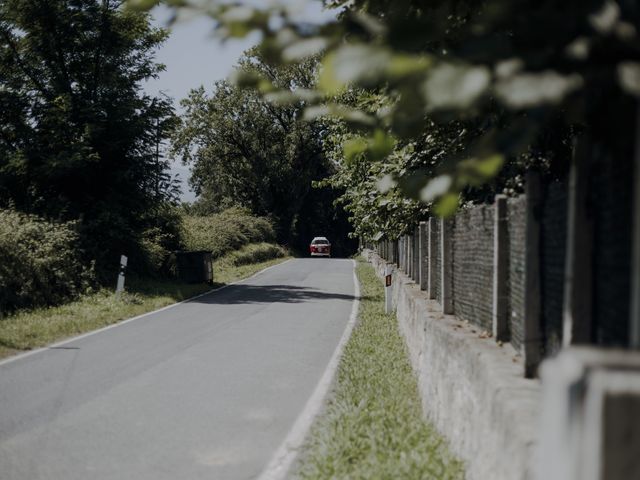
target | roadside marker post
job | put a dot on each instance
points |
(123, 268)
(387, 289)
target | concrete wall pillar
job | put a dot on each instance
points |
(634, 324)
(532, 341)
(589, 418)
(407, 253)
(432, 246)
(416, 254)
(410, 255)
(500, 270)
(577, 310)
(446, 270)
(423, 249)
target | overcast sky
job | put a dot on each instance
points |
(193, 57)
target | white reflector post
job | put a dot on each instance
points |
(123, 268)
(387, 289)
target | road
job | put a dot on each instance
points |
(206, 389)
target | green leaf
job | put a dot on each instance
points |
(304, 48)
(385, 184)
(450, 86)
(402, 65)
(350, 115)
(436, 187)
(629, 77)
(381, 145)
(141, 5)
(354, 147)
(533, 89)
(353, 64)
(446, 205)
(489, 167)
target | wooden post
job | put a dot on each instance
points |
(423, 248)
(432, 272)
(532, 341)
(446, 270)
(500, 270)
(576, 311)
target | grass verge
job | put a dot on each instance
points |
(372, 426)
(29, 329)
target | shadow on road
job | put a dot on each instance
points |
(242, 294)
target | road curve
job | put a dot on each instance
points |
(204, 390)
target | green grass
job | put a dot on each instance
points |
(225, 272)
(252, 253)
(372, 426)
(28, 329)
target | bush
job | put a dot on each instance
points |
(256, 253)
(226, 231)
(39, 262)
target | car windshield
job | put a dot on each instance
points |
(321, 242)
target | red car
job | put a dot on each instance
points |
(320, 247)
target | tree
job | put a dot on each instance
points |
(257, 154)
(78, 138)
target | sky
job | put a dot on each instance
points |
(193, 57)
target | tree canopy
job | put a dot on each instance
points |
(78, 138)
(250, 152)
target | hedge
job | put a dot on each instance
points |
(40, 262)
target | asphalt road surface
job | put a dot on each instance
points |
(205, 390)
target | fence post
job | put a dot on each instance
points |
(406, 254)
(532, 328)
(408, 248)
(395, 252)
(423, 249)
(416, 254)
(634, 323)
(413, 255)
(409, 255)
(432, 270)
(500, 270)
(576, 311)
(446, 270)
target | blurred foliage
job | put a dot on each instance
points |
(506, 75)
(78, 137)
(41, 262)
